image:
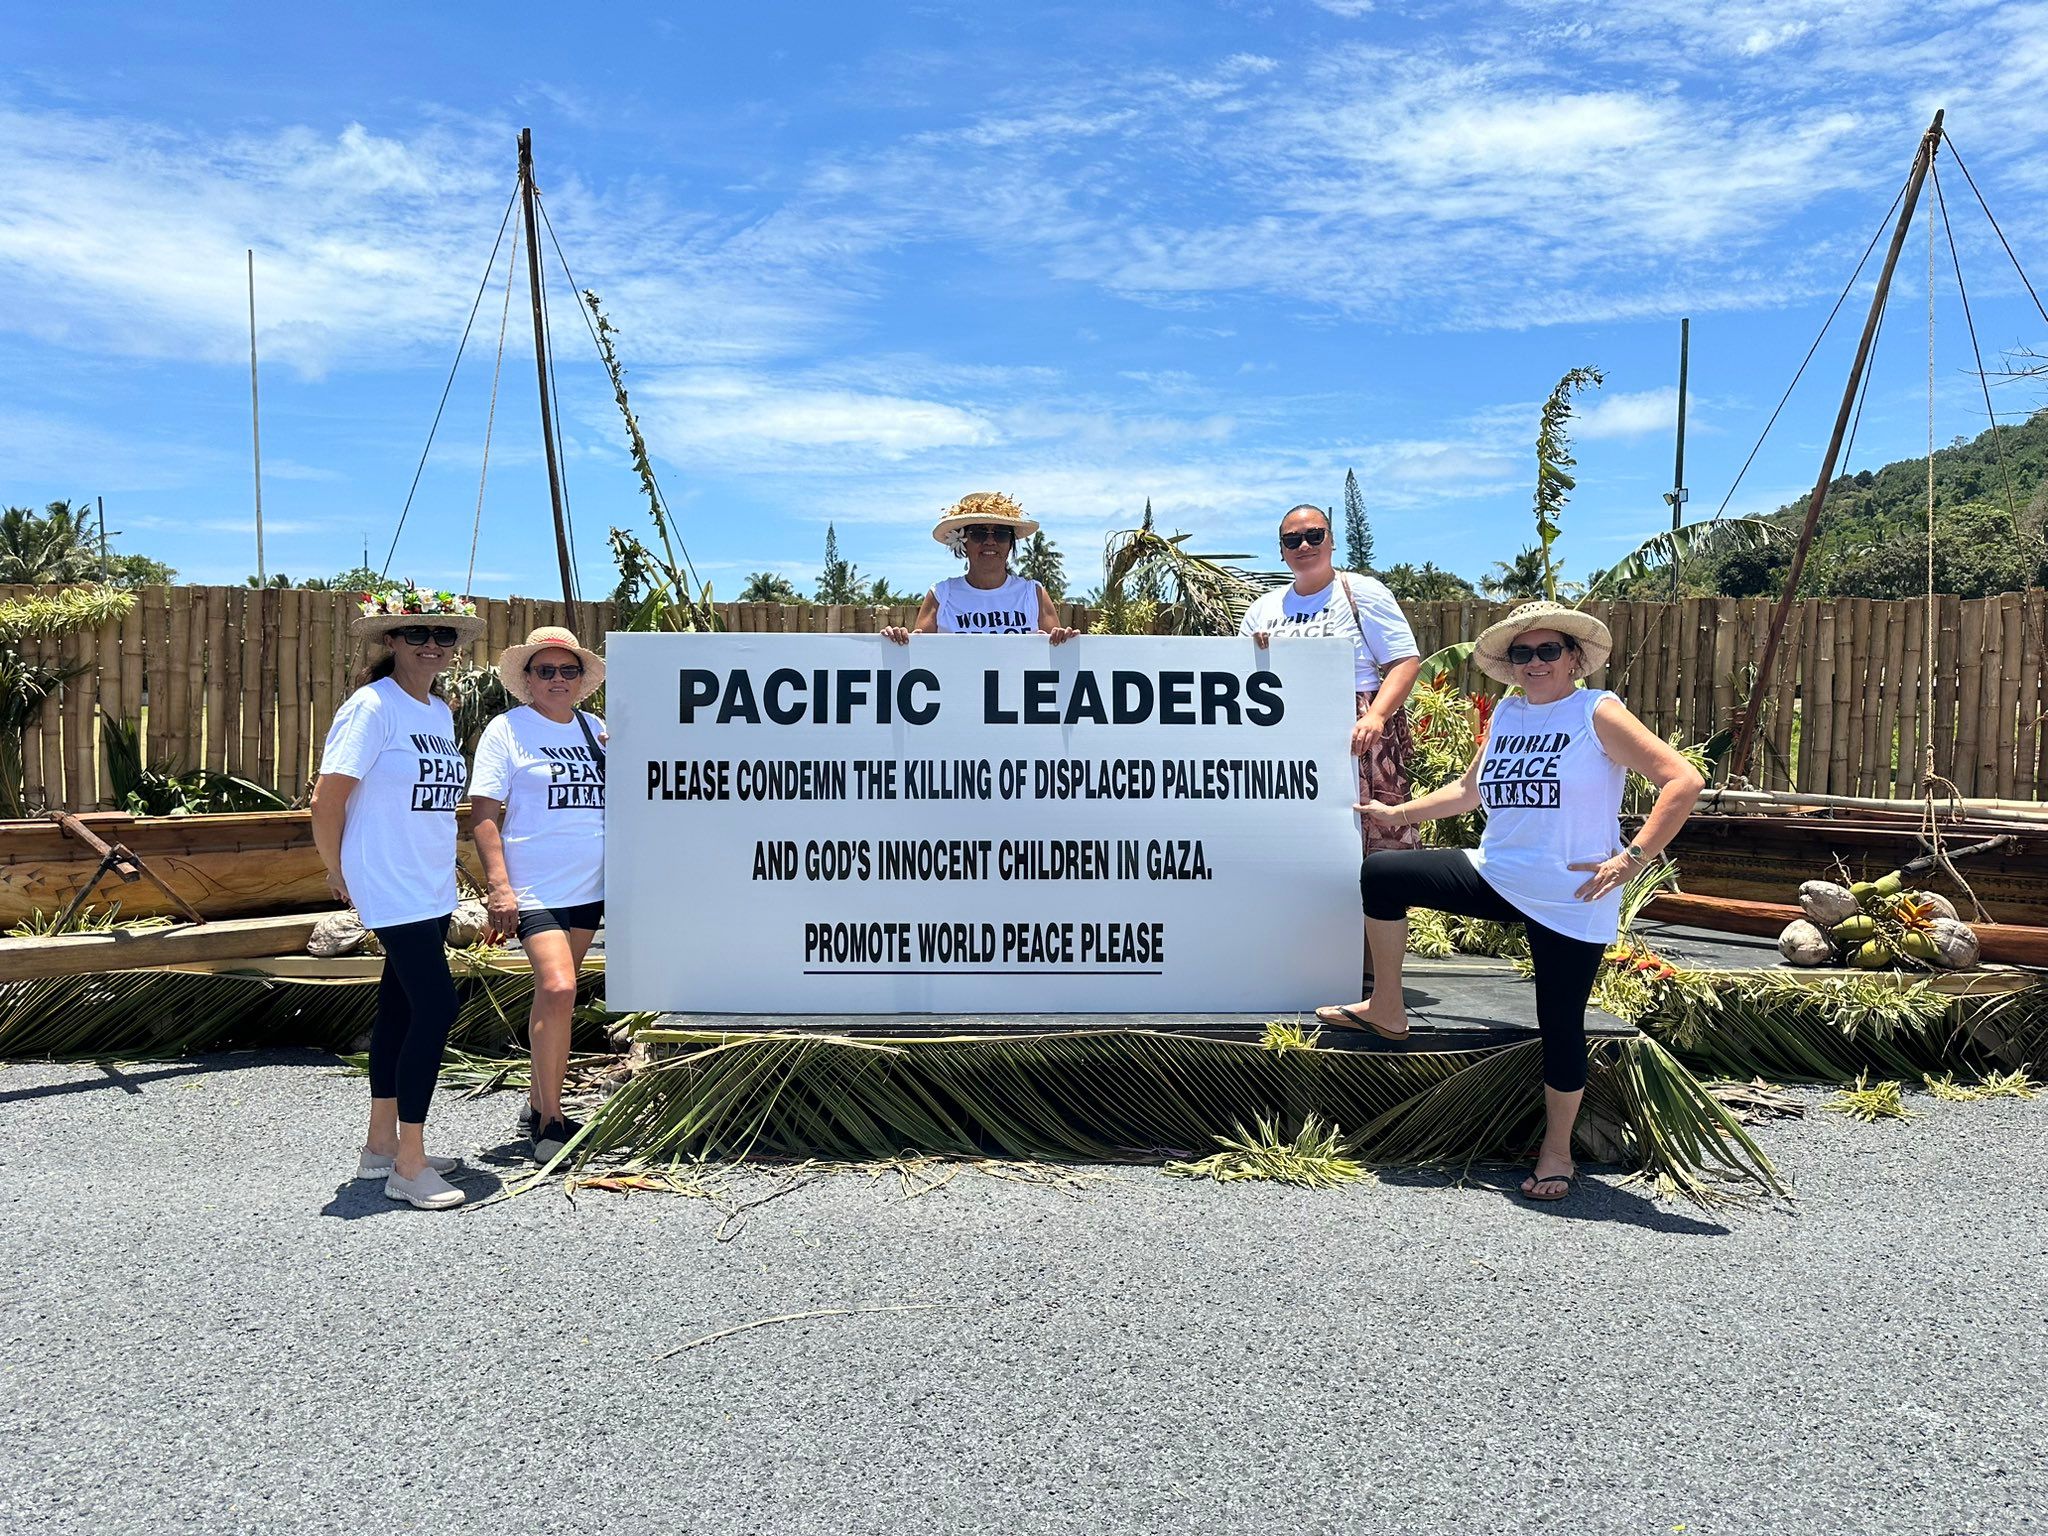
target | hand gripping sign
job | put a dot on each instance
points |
(836, 825)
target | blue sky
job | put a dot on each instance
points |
(866, 258)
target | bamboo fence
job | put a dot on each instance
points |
(246, 681)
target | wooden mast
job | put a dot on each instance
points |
(540, 362)
(1745, 730)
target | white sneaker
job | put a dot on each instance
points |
(375, 1165)
(430, 1192)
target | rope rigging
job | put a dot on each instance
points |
(476, 527)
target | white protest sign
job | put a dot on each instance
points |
(836, 824)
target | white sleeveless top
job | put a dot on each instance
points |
(1011, 609)
(1552, 798)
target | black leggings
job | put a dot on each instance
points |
(415, 1010)
(1444, 880)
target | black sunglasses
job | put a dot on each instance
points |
(1549, 650)
(548, 671)
(420, 634)
(1312, 537)
(982, 534)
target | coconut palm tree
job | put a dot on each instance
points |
(47, 546)
(1521, 577)
(767, 587)
(1039, 559)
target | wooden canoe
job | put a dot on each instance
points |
(244, 864)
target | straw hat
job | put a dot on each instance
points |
(1490, 651)
(378, 613)
(549, 637)
(990, 508)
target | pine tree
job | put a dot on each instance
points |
(1357, 532)
(839, 581)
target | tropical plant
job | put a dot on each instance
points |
(1733, 535)
(1357, 532)
(882, 595)
(52, 545)
(1314, 1157)
(1039, 559)
(655, 591)
(839, 581)
(276, 582)
(1525, 576)
(1198, 594)
(1447, 725)
(171, 789)
(1425, 583)
(1553, 466)
(26, 685)
(476, 696)
(769, 587)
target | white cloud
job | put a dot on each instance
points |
(1639, 414)
(738, 419)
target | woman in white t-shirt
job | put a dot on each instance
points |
(391, 774)
(1323, 600)
(537, 800)
(1550, 774)
(990, 599)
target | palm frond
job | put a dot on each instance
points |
(1724, 535)
(1199, 594)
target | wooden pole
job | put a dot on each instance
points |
(1738, 758)
(255, 425)
(540, 362)
(1677, 498)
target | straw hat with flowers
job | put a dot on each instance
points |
(982, 508)
(402, 607)
(1490, 651)
(549, 637)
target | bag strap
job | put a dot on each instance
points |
(1344, 581)
(590, 736)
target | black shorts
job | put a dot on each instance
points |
(562, 919)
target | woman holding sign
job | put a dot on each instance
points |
(990, 599)
(1323, 600)
(383, 817)
(1550, 775)
(538, 798)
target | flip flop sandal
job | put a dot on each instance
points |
(1568, 1180)
(1347, 1019)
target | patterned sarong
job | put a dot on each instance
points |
(1383, 776)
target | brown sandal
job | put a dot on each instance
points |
(1347, 1019)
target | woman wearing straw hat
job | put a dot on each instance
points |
(983, 529)
(391, 773)
(1550, 774)
(538, 820)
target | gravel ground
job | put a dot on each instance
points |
(206, 1328)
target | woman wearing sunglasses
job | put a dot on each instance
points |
(391, 772)
(990, 599)
(538, 820)
(1323, 600)
(1552, 857)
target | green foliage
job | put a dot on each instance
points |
(1447, 724)
(1040, 559)
(768, 587)
(1733, 535)
(1424, 583)
(1527, 575)
(139, 571)
(1553, 465)
(882, 595)
(26, 685)
(1357, 531)
(1871, 540)
(839, 581)
(655, 591)
(60, 544)
(1197, 594)
(476, 696)
(172, 789)
(1315, 1157)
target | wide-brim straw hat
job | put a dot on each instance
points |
(549, 637)
(992, 508)
(1490, 653)
(401, 607)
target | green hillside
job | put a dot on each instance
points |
(1872, 538)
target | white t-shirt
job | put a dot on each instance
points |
(965, 609)
(398, 843)
(553, 792)
(1384, 639)
(1552, 798)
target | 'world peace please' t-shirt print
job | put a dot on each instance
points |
(1521, 771)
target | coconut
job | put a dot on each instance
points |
(1826, 903)
(1803, 944)
(468, 924)
(338, 933)
(1934, 904)
(1955, 943)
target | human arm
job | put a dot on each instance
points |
(1392, 697)
(1256, 625)
(1454, 799)
(1632, 744)
(501, 902)
(1049, 618)
(329, 817)
(926, 623)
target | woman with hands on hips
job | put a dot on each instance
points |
(1550, 775)
(1323, 600)
(537, 800)
(983, 529)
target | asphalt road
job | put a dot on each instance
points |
(207, 1328)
